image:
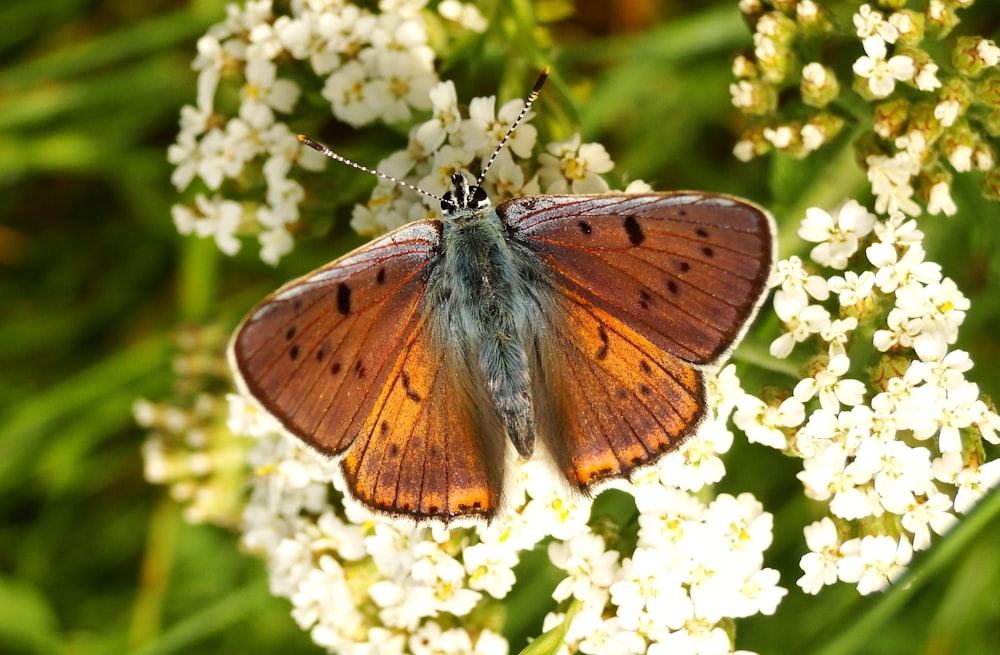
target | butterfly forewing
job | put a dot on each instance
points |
(685, 270)
(315, 353)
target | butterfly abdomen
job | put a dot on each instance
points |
(488, 313)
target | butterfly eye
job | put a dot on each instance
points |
(449, 204)
(479, 198)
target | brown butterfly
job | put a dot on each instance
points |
(583, 322)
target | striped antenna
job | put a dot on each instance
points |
(319, 147)
(535, 90)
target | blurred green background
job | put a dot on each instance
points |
(94, 281)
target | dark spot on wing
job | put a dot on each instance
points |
(290, 333)
(602, 334)
(585, 227)
(321, 351)
(384, 428)
(293, 352)
(644, 298)
(633, 230)
(343, 298)
(672, 287)
(702, 232)
(335, 368)
(683, 267)
(410, 393)
(707, 251)
(644, 389)
(393, 450)
(380, 276)
(646, 368)
(359, 369)
(297, 304)
(621, 394)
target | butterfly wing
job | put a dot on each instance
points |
(344, 359)
(646, 290)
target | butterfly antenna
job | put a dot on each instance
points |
(319, 147)
(535, 90)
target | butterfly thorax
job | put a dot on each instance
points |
(481, 300)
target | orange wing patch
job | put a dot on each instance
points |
(427, 449)
(610, 400)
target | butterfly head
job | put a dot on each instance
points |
(463, 197)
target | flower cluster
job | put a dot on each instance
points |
(894, 453)
(371, 66)
(355, 578)
(189, 447)
(929, 118)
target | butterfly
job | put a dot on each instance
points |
(585, 324)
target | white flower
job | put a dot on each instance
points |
(446, 117)
(571, 167)
(490, 567)
(763, 423)
(853, 289)
(922, 516)
(881, 73)
(869, 22)
(890, 179)
(960, 158)
(213, 217)
(940, 201)
(646, 585)
(947, 111)
(482, 132)
(972, 483)
(465, 14)
(589, 566)
(819, 565)
(263, 92)
(347, 91)
(832, 390)
(988, 51)
(697, 463)
(874, 561)
(895, 272)
(926, 77)
(838, 237)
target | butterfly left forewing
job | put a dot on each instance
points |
(316, 352)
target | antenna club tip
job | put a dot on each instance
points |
(302, 138)
(545, 71)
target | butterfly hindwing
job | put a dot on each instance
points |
(432, 446)
(686, 270)
(609, 399)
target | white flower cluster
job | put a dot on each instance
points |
(895, 456)
(374, 66)
(356, 580)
